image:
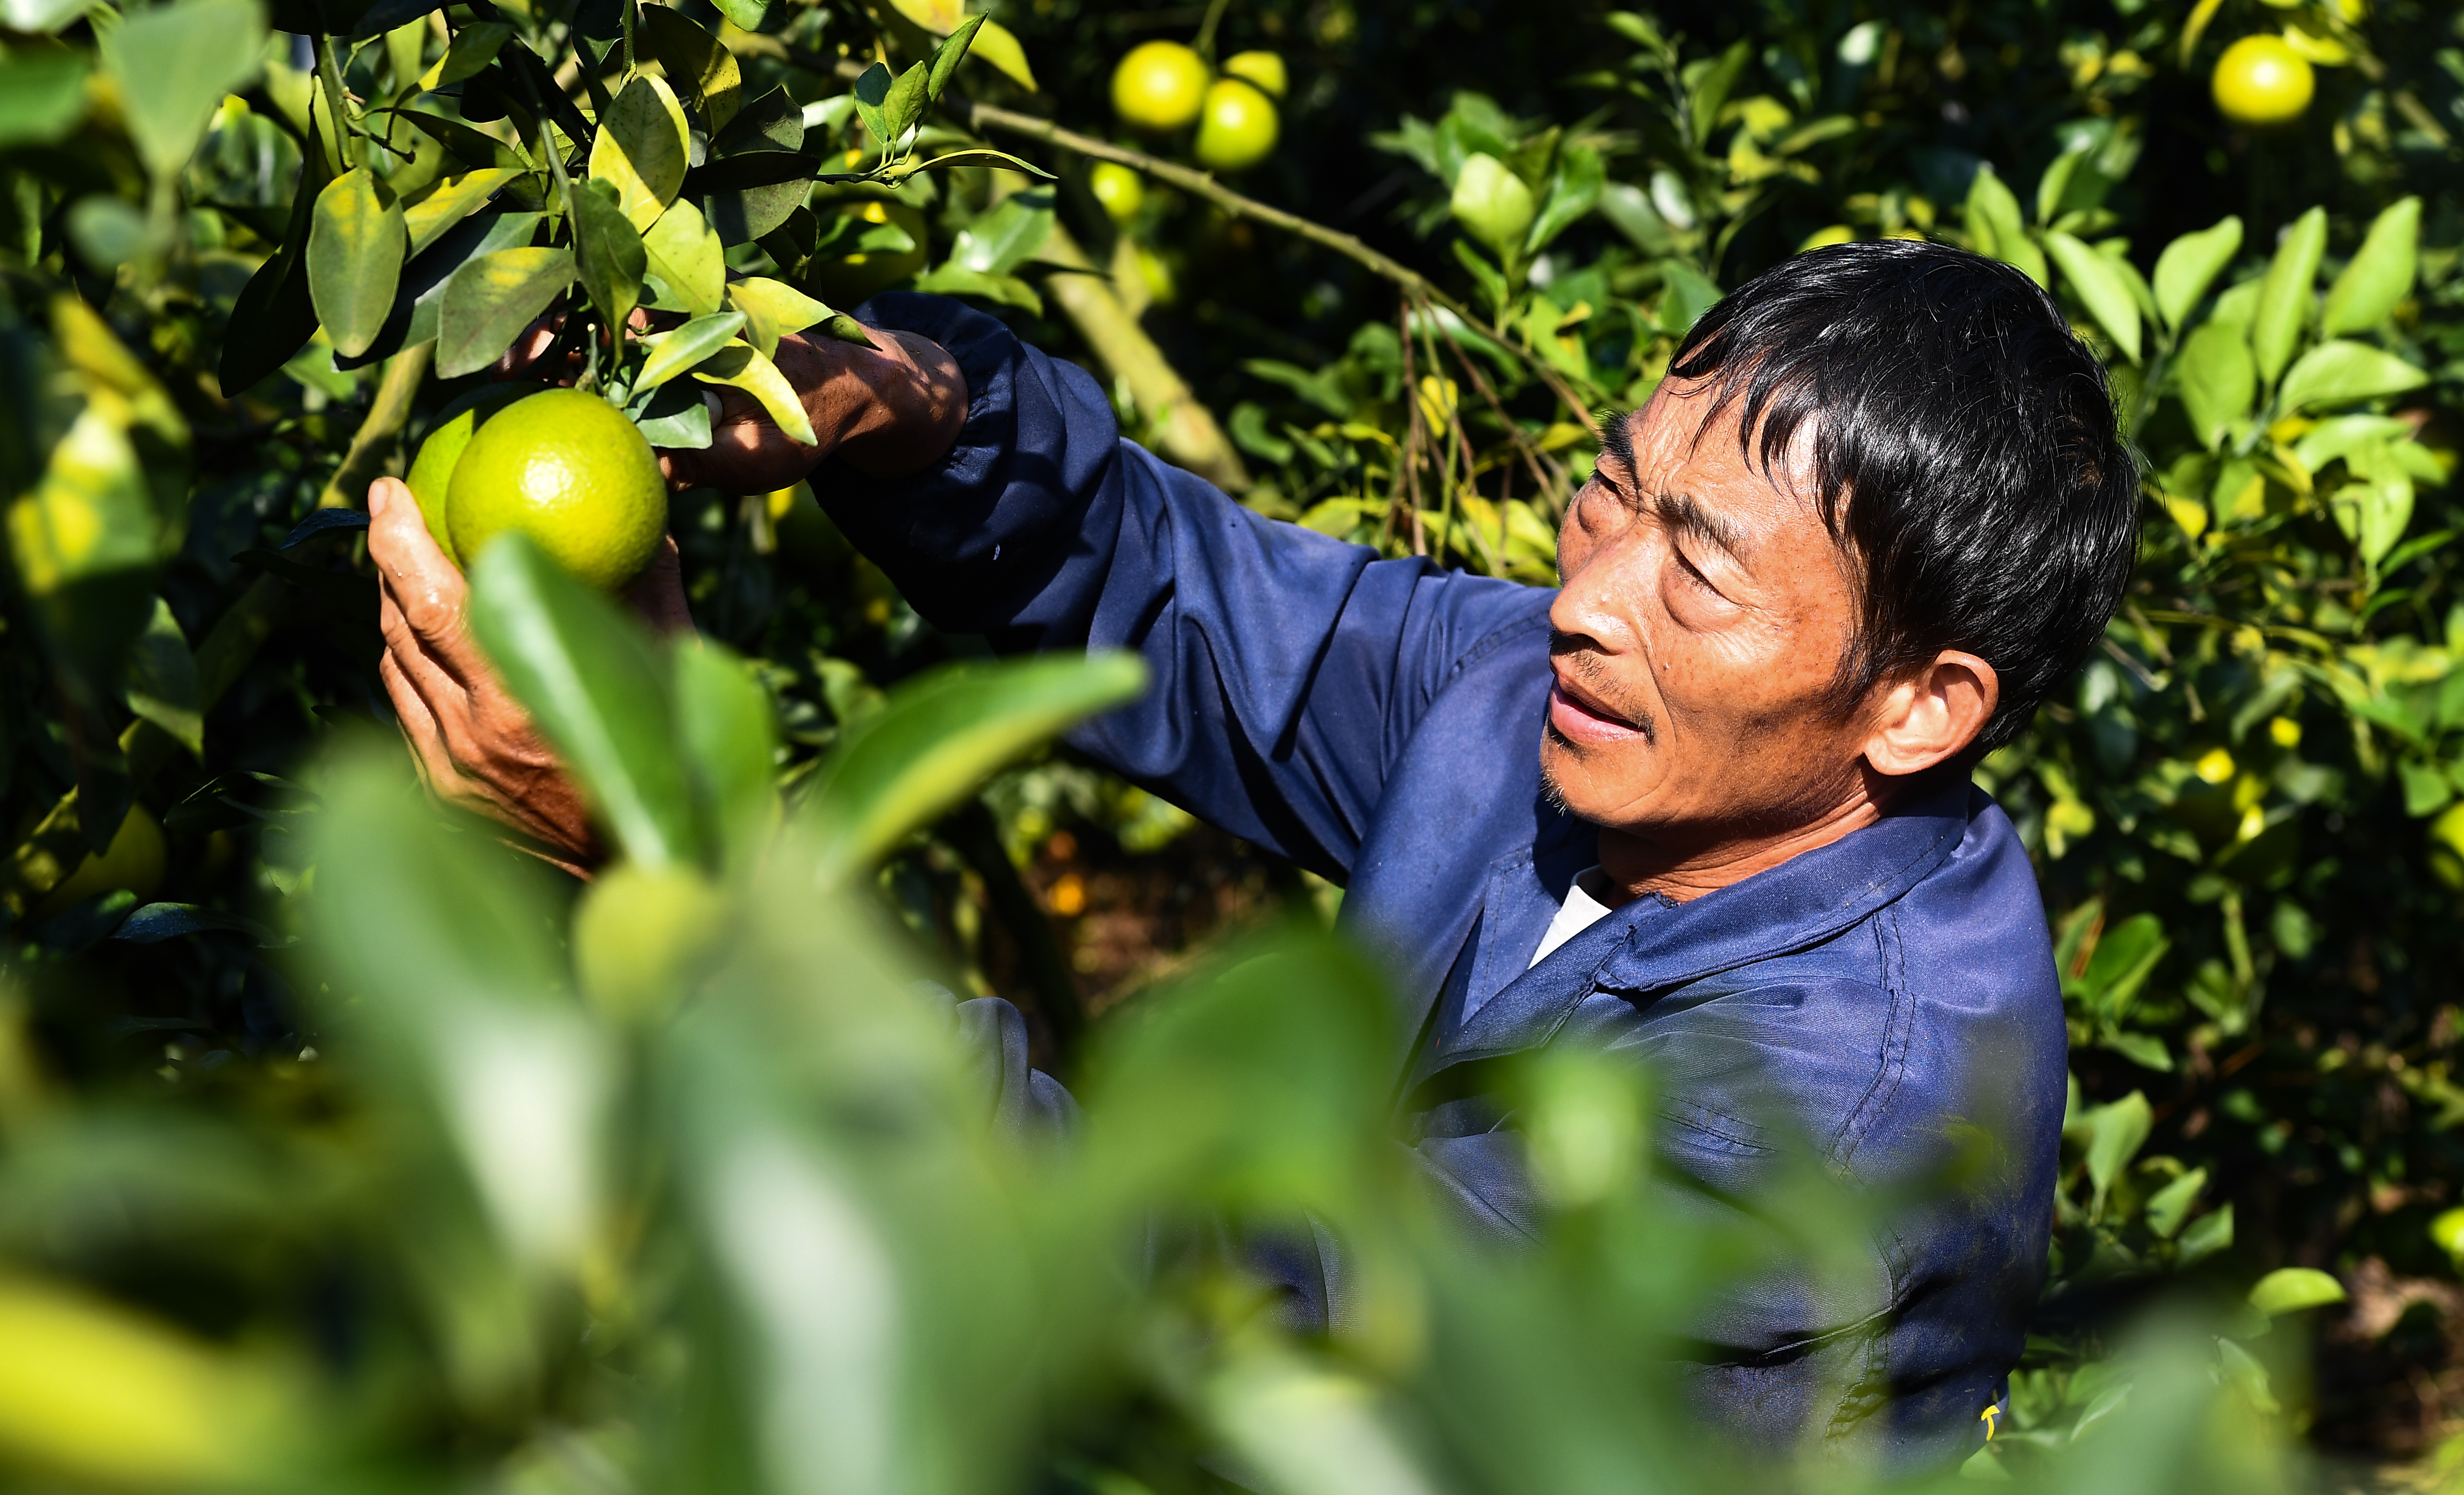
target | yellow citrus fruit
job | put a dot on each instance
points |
(640, 934)
(568, 469)
(134, 861)
(1265, 69)
(1121, 191)
(1159, 86)
(1239, 127)
(432, 472)
(2260, 81)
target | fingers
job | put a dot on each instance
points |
(418, 720)
(417, 580)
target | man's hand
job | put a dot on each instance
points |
(475, 743)
(887, 410)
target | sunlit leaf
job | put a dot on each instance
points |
(608, 253)
(2217, 380)
(642, 149)
(701, 71)
(588, 676)
(163, 681)
(43, 95)
(2285, 297)
(745, 367)
(454, 199)
(2102, 287)
(475, 45)
(941, 735)
(2379, 276)
(2191, 264)
(173, 64)
(356, 246)
(2341, 372)
(2289, 1290)
(673, 352)
(491, 299)
(688, 258)
(774, 309)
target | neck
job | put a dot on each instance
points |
(1660, 861)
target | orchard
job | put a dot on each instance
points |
(349, 1140)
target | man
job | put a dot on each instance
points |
(1707, 803)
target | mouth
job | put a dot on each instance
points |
(1581, 719)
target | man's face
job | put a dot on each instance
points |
(1703, 614)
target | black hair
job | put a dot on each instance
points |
(1964, 455)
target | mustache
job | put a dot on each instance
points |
(1600, 686)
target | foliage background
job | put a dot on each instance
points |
(2243, 815)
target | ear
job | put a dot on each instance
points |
(1931, 716)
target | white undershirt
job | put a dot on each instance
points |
(1585, 905)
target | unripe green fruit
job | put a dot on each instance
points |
(639, 937)
(432, 472)
(568, 469)
(1238, 128)
(1159, 86)
(2261, 80)
(1265, 69)
(1121, 191)
(1492, 204)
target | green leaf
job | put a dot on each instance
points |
(2289, 1290)
(1710, 89)
(1005, 238)
(947, 57)
(2124, 958)
(2207, 1235)
(642, 149)
(356, 247)
(491, 299)
(2170, 1205)
(980, 157)
(1573, 190)
(454, 199)
(688, 258)
(952, 278)
(2341, 372)
(43, 95)
(904, 104)
(2116, 1132)
(2285, 296)
(2191, 264)
(676, 417)
(2342, 435)
(2100, 286)
(2216, 381)
(745, 14)
(1994, 222)
(590, 679)
(465, 145)
(729, 735)
(473, 47)
(703, 73)
(275, 316)
(997, 48)
(774, 309)
(2374, 512)
(743, 366)
(173, 64)
(163, 681)
(2144, 1049)
(941, 735)
(608, 253)
(871, 92)
(2380, 274)
(671, 353)
(1687, 295)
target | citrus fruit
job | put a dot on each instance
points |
(2260, 81)
(1121, 191)
(1159, 86)
(1265, 69)
(1492, 203)
(1238, 128)
(639, 935)
(134, 861)
(432, 472)
(568, 469)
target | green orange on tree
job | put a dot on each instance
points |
(568, 469)
(431, 473)
(1119, 190)
(1265, 69)
(2261, 80)
(1159, 86)
(1238, 128)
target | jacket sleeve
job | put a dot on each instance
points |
(1287, 668)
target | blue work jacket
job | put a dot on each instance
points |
(1883, 1000)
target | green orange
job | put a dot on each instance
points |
(431, 470)
(1238, 126)
(568, 469)
(1159, 86)
(2261, 80)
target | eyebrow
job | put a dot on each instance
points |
(1684, 513)
(1617, 440)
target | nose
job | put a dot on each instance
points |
(1601, 584)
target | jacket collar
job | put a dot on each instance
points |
(1649, 945)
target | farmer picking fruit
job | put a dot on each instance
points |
(1708, 797)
